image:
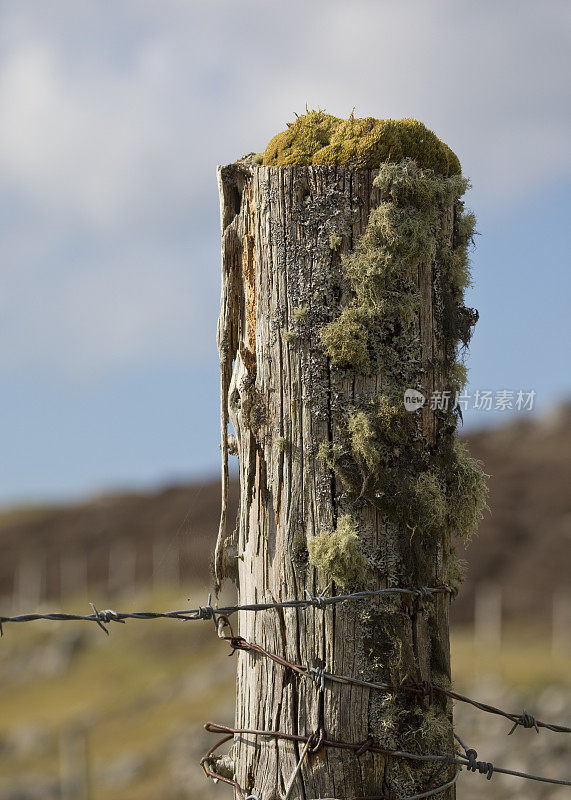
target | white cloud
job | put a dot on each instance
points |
(114, 310)
(114, 116)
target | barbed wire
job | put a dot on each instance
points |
(316, 741)
(210, 612)
(220, 617)
(426, 688)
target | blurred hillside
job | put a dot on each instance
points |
(123, 542)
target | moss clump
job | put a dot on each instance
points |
(320, 138)
(458, 376)
(382, 270)
(430, 501)
(363, 438)
(467, 490)
(339, 553)
(335, 241)
(413, 184)
(346, 339)
(299, 313)
(281, 443)
(299, 549)
(456, 571)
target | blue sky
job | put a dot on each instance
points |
(114, 117)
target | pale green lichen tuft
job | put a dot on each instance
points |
(395, 425)
(458, 376)
(467, 491)
(428, 728)
(402, 232)
(363, 440)
(320, 138)
(430, 502)
(339, 553)
(456, 571)
(414, 185)
(280, 444)
(346, 339)
(335, 241)
(288, 336)
(324, 452)
(300, 313)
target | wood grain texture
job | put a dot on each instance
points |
(281, 282)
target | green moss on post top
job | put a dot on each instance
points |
(320, 138)
(380, 454)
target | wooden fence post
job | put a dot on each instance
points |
(74, 764)
(308, 439)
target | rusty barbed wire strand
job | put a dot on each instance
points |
(430, 792)
(208, 760)
(525, 719)
(468, 760)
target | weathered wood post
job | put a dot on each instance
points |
(342, 281)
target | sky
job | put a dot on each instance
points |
(113, 117)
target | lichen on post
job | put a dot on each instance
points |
(344, 262)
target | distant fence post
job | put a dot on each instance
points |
(74, 765)
(122, 566)
(488, 616)
(165, 563)
(73, 574)
(30, 577)
(561, 627)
